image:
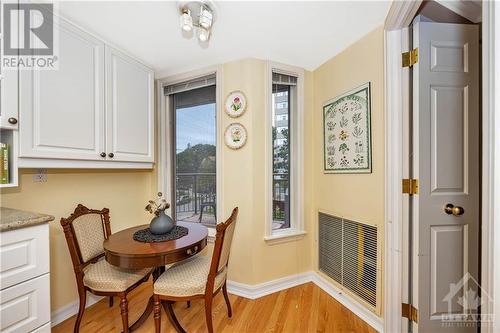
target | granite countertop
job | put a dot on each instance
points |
(11, 219)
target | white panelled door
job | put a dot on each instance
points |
(446, 163)
(62, 111)
(129, 108)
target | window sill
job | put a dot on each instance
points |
(284, 236)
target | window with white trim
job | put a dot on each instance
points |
(284, 180)
(281, 156)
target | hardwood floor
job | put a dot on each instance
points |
(304, 308)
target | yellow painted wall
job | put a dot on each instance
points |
(126, 192)
(123, 192)
(253, 261)
(359, 197)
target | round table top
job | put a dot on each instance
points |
(123, 251)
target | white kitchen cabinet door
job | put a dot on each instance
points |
(62, 111)
(8, 99)
(129, 108)
(9, 82)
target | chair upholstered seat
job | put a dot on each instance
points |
(103, 276)
(187, 278)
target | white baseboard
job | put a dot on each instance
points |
(65, 312)
(257, 291)
(266, 288)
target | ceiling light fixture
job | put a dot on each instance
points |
(186, 20)
(203, 34)
(203, 21)
(205, 18)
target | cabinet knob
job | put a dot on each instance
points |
(111, 155)
(103, 154)
(12, 120)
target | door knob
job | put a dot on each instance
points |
(12, 120)
(103, 154)
(111, 155)
(451, 209)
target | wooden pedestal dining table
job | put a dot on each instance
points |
(123, 251)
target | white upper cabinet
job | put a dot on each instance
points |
(9, 110)
(129, 108)
(62, 111)
(8, 99)
(95, 110)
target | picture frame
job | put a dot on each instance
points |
(347, 144)
(235, 136)
(236, 104)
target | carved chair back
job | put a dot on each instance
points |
(85, 231)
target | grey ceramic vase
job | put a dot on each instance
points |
(161, 224)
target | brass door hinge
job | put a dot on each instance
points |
(410, 58)
(408, 311)
(410, 186)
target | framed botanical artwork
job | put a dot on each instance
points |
(347, 132)
(236, 104)
(235, 136)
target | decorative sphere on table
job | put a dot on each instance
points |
(161, 223)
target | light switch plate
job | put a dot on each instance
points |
(40, 176)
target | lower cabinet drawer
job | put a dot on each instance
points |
(26, 306)
(24, 254)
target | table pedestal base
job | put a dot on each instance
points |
(167, 306)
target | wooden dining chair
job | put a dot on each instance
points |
(195, 278)
(85, 231)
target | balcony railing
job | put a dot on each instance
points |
(281, 202)
(197, 191)
(196, 197)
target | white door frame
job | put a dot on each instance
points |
(396, 87)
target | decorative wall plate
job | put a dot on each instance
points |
(235, 136)
(236, 104)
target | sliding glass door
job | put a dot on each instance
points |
(194, 139)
